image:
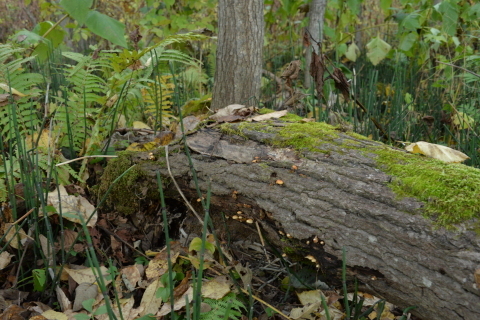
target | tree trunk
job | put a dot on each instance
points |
(316, 16)
(338, 194)
(239, 53)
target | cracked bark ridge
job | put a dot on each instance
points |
(343, 198)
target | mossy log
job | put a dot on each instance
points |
(409, 224)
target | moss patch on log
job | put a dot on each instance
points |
(451, 192)
(123, 193)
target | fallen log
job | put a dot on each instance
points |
(409, 224)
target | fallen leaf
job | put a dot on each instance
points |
(12, 235)
(229, 110)
(306, 312)
(131, 276)
(182, 287)
(73, 207)
(246, 275)
(87, 275)
(14, 91)
(159, 265)
(179, 304)
(163, 138)
(216, 288)
(47, 249)
(150, 303)
(310, 297)
(437, 151)
(190, 123)
(83, 292)
(267, 116)
(126, 306)
(5, 258)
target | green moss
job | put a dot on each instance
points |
(451, 192)
(291, 117)
(306, 136)
(265, 111)
(121, 196)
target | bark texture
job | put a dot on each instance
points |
(341, 196)
(316, 15)
(239, 53)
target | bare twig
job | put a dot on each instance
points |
(178, 187)
(85, 157)
(461, 68)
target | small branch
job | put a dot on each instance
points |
(178, 187)
(461, 68)
(86, 157)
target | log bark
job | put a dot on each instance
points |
(342, 197)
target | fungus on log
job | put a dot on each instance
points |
(409, 224)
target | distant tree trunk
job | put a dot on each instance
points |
(239, 53)
(315, 16)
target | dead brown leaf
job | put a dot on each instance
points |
(182, 287)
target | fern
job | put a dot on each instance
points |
(229, 307)
(157, 98)
(21, 114)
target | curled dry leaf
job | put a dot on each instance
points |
(73, 207)
(229, 110)
(5, 258)
(267, 116)
(10, 230)
(437, 151)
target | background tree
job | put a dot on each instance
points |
(239, 52)
(315, 16)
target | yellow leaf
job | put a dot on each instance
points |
(462, 120)
(216, 288)
(15, 92)
(437, 151)
(141, 125)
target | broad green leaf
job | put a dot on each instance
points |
(39, 279)
(377, 50)
(475, 10)
(352, 52)
(169, 3)
(196, 245)
(354, 6)
(407, 41)
(449, 17)
(88, 304)
(341, 49)
(77, 9)
(106, 27)
(55, 36)
(385, 5)
(101, 310)
(411, 22)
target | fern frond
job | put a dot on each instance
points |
(157, 97)
(229, 307)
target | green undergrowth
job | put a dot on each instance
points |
(450, 192)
